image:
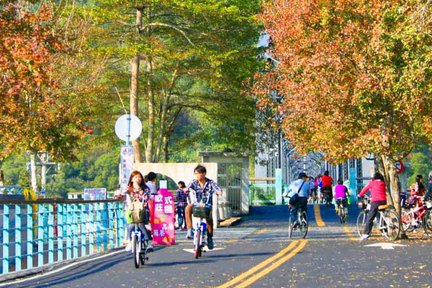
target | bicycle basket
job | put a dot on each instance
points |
(201, 212)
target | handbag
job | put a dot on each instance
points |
(138, 212)
(294, 199)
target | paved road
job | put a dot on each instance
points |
(257, 253)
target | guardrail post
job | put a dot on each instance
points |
(98, 227)
(105, 225)
(40, 235)
(6, 239)
(75, 232)
(29, 229)
(60, 229)
(51, 234)
(92, 228)
(278, 185)
(84, 229)
(69, 220)
(18, 244)
(111, 215)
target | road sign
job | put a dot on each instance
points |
(128, 127)
(399, 166)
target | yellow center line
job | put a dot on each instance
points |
(259, 266)
(318, 218)
(350, 234)
(273, 266)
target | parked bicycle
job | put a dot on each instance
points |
(388, 220)
(139, 246)
(299, 228)
(341, 209)
(417, 214)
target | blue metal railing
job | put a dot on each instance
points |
(47, 231)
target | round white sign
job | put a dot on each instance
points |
(128, 127)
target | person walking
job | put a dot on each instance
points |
(429, 189)
(378, 192)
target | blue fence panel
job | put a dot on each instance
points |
(38, 233)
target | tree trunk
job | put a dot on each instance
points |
(151, 115)
(134, 102)
(392, 180)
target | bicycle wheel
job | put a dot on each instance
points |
(197, 247)
(427, 222)
(392, 225)
(303, 226)
(135, 251)
(290, 228)
(341, 213)
(406, 220)
(143, 252)
(361, 222)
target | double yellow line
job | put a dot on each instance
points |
(318, 219)
(252, 275)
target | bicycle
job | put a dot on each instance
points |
(200, 229)
(416, 217)
(341, 209)
(300, 227)
(326, 194)
(388, 220)
(139, 246)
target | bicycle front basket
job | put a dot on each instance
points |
(201, 212)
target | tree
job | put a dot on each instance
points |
(355, 75)
(189, 55)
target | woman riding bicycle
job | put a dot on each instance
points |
(204, 189)
(378, 190)
(341, 194)
(137, 191)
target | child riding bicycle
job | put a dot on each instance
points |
(204, 188)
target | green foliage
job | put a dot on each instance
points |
(421, 163)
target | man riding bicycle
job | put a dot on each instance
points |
(300, 191)
(327, 185)
(205, 188)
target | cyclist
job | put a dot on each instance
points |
(341, 194)
(327, 183)
(313, 190)
(204, 188)
(301, 187)
(378, 191)
(138, 191)
(429, 190)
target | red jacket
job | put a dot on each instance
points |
(327, 181)
(378, 190)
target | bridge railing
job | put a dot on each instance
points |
(48, 231)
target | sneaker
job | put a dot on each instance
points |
(189, 234)
(149, 248)
(210, 244)
(128, 247)
(364, 237)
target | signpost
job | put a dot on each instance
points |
(163, 216)
(128, 128)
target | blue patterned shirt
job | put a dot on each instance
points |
(206, 192)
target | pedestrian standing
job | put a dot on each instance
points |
(429, 190)
(150, 179)
(181, 204)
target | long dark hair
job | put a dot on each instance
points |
(133, 174)
(420, 184)
(378, 176)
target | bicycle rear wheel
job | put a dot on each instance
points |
(427, 222)
(303, 226)
(136, 251)
(361, 222)
(392, 225)
(197, 246)
(290, 228)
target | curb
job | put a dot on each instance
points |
(230, 222)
